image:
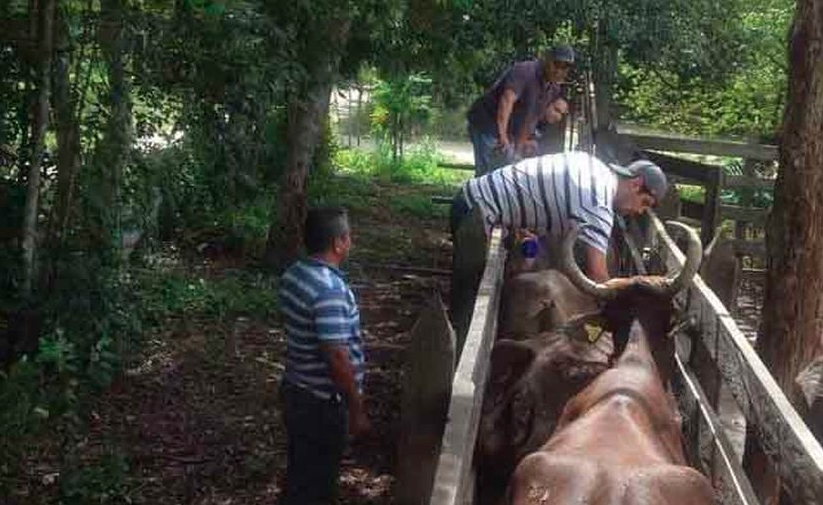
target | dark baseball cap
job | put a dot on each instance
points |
(562, 52)
(654, 180)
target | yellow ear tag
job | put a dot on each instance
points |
(593, 331)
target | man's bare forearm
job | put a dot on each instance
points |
(504, 112)
(343, 375)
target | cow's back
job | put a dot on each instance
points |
(546, 477)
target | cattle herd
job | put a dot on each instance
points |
(577, 406)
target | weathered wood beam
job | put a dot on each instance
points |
(702, 425)
(788, 443)
(743, 181)
(456, 166)
(453, 483)
(701, 146)
(684, 168)
(748, 214)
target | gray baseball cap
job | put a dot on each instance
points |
(562, 52)
(654, 179)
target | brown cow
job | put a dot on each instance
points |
(537, 297)
(529, 384)
(618, 441)
(531, 381)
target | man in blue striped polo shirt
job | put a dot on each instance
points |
(547, 195)
(322, 385)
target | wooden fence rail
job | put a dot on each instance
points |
(792, 449)
(454, 478)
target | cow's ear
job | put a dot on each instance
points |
(509, 361)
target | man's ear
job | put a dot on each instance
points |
(636, 184)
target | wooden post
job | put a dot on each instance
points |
(426, 393)
(711, 211)
(454, 483)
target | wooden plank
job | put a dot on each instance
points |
(701, 146)
(456, 166)
(742, 181)
(754, 215)
(442, 199)
(686, 169)
(753, 273)
(425, 400)
(790, 446)
(750, 248)
(711, 212)
(703, 425)
(453, 483)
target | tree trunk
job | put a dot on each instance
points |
(307, 111)
(113, 153)
(68, 139)
(40, 122)
(790, 333)
(605, 75)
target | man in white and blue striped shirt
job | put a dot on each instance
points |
(322, 385)
(547, 195)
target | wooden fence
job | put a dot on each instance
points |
(791, 448)
(749, 220)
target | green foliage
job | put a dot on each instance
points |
(399, 106)
(101, 483)
(419, 166)
(741, 95)
(185, 294)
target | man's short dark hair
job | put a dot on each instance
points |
(323, 225)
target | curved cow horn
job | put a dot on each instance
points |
(670, 286)
(694, 255)
(569, 266)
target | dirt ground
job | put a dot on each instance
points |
(196, 418)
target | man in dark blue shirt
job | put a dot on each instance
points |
(502, 121)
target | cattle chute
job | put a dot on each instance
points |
(795, 453)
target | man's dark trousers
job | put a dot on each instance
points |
(317, 431)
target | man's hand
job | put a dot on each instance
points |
(527, 149)
(652, 281)
(505, 148)
(619, 283)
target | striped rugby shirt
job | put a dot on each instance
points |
(318, 307)
(546, 194)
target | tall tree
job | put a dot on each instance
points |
(792, 326)
(43, 12)
(324, 29)
(116, 144)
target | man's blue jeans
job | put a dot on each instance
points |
(317, 432)
(486, 157)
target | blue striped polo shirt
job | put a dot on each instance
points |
(318, 308)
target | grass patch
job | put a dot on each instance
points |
(183, 293)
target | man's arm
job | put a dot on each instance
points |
(598, 271)
(504, 111)
(343, 376)
(522, 138)
(596, 267)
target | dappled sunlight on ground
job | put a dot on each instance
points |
(195, 417)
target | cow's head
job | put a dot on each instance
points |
(647, 300)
